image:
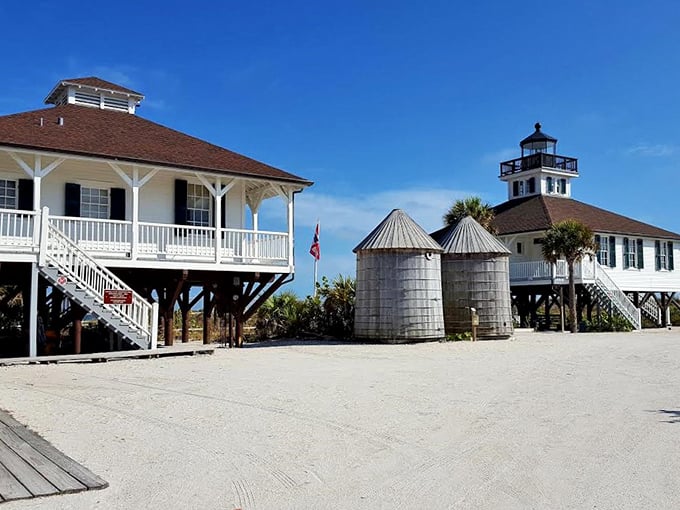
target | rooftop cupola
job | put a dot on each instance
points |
(94, 92)
(539, 170)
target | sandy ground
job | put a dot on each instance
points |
(542, 421)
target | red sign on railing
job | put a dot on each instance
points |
(117, 297)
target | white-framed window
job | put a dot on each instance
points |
(549, 186)
(603, 250)
(8, 194)
(662, 255)
(199, 205)
(629, 253)
(521, 188)
(95, 203)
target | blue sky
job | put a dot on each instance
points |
(384, 104)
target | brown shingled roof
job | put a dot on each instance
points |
(540, 212)
(90, 81)
(111, 134)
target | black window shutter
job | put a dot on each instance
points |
(224, 211)
(515, 188)
(626, 248)
(670, 256)
(657, 254)
(597, 244)
(640, 256)
(72, 199)
(117, 204)
(25, 195)
(563, 186)
(612, 251)
(180, 202)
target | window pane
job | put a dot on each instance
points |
(94, 203)
(199, 203)
(8, 194)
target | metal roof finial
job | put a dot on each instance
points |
(537, 126)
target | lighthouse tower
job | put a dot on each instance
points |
(540, 171)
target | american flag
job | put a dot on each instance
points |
(315, 250)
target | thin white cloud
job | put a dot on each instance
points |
(352, 217)
(653, 150)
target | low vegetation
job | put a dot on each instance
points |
(328, 314)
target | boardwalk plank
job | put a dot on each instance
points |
(80, 473)
(53, 473)
(178, 350)
(27, 476)
(10, 488)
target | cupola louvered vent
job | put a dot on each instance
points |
(116, 104)
(87, 99)
(95, 92)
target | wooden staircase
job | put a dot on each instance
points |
(84, 280)
(605, 291)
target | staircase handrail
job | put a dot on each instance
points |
(93, 277)
(619, 297)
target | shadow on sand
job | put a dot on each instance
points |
(673, 416)
(286, 342)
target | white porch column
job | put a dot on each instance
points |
(134, 251)
(33, 314)
(135, 183)
(290, 196)
(218, 220)
(135, 221)
(36, 208)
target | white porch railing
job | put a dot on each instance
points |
(17, 229)
(61, 252)
(154, 241)
(538, 271)
(93, 235)
(187, 242)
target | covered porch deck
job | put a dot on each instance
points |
(125, 244)
(540, 272)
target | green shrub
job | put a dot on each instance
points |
(458, 337)
(329, 313)
(605, 322)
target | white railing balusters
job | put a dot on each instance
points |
(17, 229)
(63, 253)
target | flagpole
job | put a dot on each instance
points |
(316, 260)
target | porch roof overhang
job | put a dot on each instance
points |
(252, 183)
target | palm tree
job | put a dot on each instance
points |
(572, 240)
(471, 206)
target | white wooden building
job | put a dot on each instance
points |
(634, 269)
(94, 197)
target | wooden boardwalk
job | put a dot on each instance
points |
(32, 467)
(191, 348)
